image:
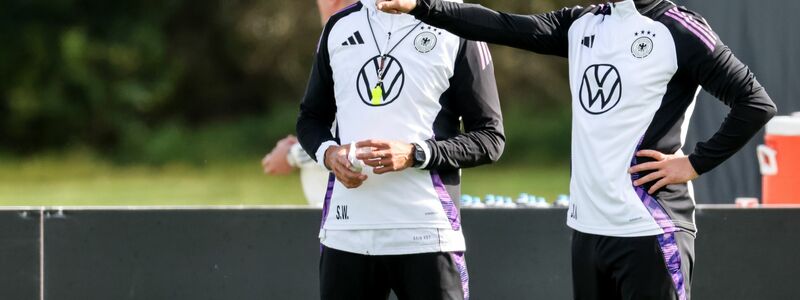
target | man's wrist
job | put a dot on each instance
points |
(422, 9)
(420, 154)
(322, 153)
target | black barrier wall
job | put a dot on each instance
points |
(273, 254)
(19, 254)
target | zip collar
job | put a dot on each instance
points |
(387, 21)
(623, 9)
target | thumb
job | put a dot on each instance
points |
(387, 5)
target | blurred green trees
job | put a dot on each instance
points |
(155, 81)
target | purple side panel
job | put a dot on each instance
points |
(669, 247)
(327, 203)
(461, 264)
(448, 205)
(672, 258)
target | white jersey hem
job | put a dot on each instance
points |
(627, 231)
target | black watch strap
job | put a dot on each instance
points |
(419, 155)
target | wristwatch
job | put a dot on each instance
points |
(419, 155)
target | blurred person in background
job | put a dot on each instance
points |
(635, 69)
(288, 154)
(399, 91)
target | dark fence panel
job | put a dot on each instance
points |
(19, 254)
(192, 255)
(273, 254)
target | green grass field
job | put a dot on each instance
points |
(68, 181)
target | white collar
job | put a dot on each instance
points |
(622, 9)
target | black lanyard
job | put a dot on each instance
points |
(383, 55)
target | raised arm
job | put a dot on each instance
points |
(541, 33)
(473, 95)
(472, 98)
(731, 81)
(705, 61)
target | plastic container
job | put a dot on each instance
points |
(779, 161)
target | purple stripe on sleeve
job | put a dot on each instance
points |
(449, 207)
(697, 24)
(691, 28)
(461, 265)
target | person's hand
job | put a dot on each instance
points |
(386, 156)
(275, 163)
(336, 160)
(396, 6)
(667, 169)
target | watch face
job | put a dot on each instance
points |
(419, 155)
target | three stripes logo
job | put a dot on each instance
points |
(354, 39)
(600, 82)
(588, 41)
(486, 56)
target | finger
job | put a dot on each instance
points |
(348, 178)
(349, 174)
(653, 165)
(342, 160)
(652, 154)
(373, 143)
(661, 183)
(648, 178)
(374, 154)
(378, 162)
(382, 170)
(386, 5)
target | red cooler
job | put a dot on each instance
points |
(779, 161)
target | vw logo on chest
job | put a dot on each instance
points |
(386, 92)
(601, 88)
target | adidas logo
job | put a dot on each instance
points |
(354, 39)
(588, 41)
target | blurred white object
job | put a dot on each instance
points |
(313, 177)
(766, 160)
(746, 202)
(784, 125)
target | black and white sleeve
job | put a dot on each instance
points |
(713, 66)
(318, 108)
(541, 33)
(472, 95)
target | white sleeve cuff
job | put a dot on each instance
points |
(427, 150)
(321, 152)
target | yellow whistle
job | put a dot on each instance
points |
(377, 95)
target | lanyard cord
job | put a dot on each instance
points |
(382, 54)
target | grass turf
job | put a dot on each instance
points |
(71, 181)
